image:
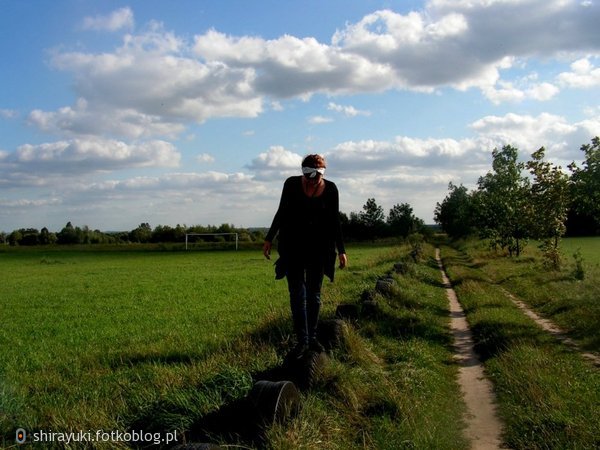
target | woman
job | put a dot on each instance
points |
(308, 224)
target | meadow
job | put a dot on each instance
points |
(158, 340)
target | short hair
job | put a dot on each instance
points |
(315, 161)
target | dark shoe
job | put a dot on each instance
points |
(299, 350)
(316, 346)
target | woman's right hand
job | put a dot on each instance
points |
(267, 249)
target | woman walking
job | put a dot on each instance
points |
(308, 228)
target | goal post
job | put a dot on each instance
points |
(211, 234)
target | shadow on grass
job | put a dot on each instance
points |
(235, 421)
(410, 326)
(493, 338)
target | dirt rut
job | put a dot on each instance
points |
(484, 428)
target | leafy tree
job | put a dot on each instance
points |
(68, 235)
(373, 219)
(550, 203)
(501, 201)
(46, 237)
(29, 236)
(401, 220)
(14, 238)
(455, 213)
(142, 234)
(586, 182)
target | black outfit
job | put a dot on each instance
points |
(309, 234)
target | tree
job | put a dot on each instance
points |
(46, 237)
(550, 203)
(455, 213)
(142, 234)
(585, 182)
(373, 218)
(68, 235)
(501, 201)
(14, 238)
(401, 220)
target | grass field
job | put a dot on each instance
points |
(119, 340)
(159, 340)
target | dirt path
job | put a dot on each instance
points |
(484, 428)
(552, 329)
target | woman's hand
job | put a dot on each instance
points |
(343, 260)
(267, 249)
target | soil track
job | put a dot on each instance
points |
(551, 328)
(484, 428)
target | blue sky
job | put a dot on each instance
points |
(115, 113)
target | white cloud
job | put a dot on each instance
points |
(8, 113)
(120, 19)
(33, 164)
(348, 111)
(317, 120)
(205, 158)
(509, 92)
(81, 120)
(277, 161)
(150, 76)
(583, 75)
(156, 82)
(542, 91)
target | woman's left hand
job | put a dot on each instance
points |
(343, 260)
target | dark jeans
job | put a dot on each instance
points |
(304, 284)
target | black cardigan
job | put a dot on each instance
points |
(289, 222)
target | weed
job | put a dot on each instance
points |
(579, 272)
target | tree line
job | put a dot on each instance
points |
(517, 201)
(368, 224)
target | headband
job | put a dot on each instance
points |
(312, 172)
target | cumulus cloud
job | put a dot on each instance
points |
(78, 157)
(117, 20)
(82, 120)
(294, 67)
(277, 161)
(151, 79)
(583, 75)
(505, 91)
(528, 133)
(156, 82)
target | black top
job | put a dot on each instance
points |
(308, 226)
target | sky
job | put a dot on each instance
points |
(117, 113)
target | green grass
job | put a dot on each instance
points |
(558, 295)
(156, 340)
(589, 247)
(93, 340)
(548, 394)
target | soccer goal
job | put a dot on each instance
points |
(211, 234)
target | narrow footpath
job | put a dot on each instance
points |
(484, 428)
